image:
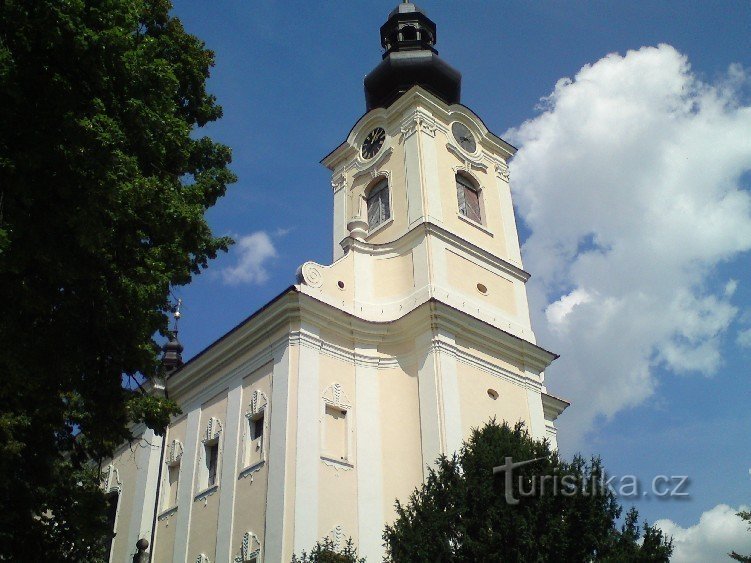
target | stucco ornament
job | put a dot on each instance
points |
(110, 480)
(311, 274)
(250, 549)
(258, 403)
(213, 430)
(334, 395)
(174, 452)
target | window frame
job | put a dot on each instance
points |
(381, 185)
(257, 412)
(212, 439)
(212, 469)
(468, 184)
(335, 398)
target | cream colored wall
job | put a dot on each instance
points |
(252, 485)
(448, 165)
(205, 510)
(395, 276)
(337, 500)
(486, 354)
(391, 167)
(164, 540)
(124, 461)
(477, 408)
(400, 435)
(465, 276)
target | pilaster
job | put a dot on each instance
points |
(369, 457)
(147, 461)
(274, 537)
(186, 486)
(232, 441)
(308, 434)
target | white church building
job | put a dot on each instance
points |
(311, 417)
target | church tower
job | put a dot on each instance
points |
(312, 416)
(428, 265)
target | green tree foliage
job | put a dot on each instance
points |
(744, 515)
(103, 190)
(326, 552)
(461, 512)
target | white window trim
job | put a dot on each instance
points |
(380, 178)
(256, 408)
(473, 185)
(212, 437)
(334, 396)
(111, 485)
(475, 224)
(173, 458)
(250, 549)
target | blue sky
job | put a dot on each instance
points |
(667, 371)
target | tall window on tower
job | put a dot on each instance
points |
(209, 472)
(468, 195)
(379, 210)
(212, 461)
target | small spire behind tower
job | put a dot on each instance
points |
(172, 357)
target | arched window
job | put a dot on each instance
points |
(468, 195)
(409, 33)
(379, 210)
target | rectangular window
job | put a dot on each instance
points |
(378, 205)
(254, 448)
(212, 460)
(257, 428)
(173, 480)
(469, 199)
(336, 432)
(112, 501)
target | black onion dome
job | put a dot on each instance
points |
(172, 358)
(408, 38)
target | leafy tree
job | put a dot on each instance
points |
(462, 513)
(325, 551)
(744, 515)
(103, 190)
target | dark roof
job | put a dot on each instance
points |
(408, 38)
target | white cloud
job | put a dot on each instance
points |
(629, 181)
(253, 252)
(744, 338)
(718, 532)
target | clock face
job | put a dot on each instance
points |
(464, 137)
(373, 143)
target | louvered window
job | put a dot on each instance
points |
(378, 205)
(469, 199)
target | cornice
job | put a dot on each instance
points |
(553, 406)
(411, 238)
(188, 387)
(429, 112)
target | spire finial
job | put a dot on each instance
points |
(172, 358)
(176, 315)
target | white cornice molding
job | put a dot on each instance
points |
(468, 160)
(426, 103)
(418, 120)
(553, 406)
(188, 386)
(371, 166)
